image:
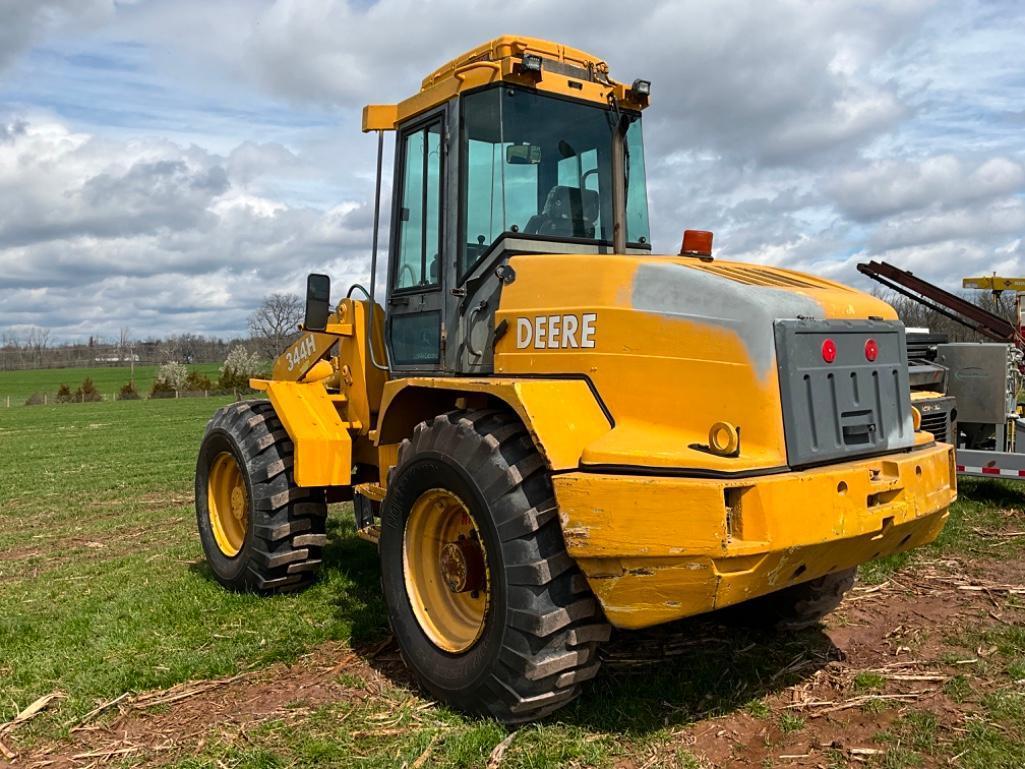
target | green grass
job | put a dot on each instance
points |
(19, 385)
(789, 722)
(104, 587)
(103, 590)
(868, 681)
(981, 507)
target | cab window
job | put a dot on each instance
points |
(419, 225)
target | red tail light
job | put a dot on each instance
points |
(871, 350)
(829, 351)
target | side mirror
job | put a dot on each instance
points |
(318, 302)
(523, 154)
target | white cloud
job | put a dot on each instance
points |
(888, 187)
(26, 21)
(812, 135)
(115, 233)
(1000, 218)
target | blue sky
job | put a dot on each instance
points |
(166, 163)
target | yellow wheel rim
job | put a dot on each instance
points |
(228, 503)
(446, 571)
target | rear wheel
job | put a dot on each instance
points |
(800, 606)
(260, 532)
(488, 610)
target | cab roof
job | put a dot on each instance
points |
(565, 71)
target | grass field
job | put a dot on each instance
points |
(19, 385)
(103, 595)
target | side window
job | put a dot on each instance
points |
(419, 254)
(484, 220)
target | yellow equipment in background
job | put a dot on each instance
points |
(997, 285)
(994, 283)
(550, 430)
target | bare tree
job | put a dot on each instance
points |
(181, 348)
(275, 325)
(10, 341)
(37, 340)
(916, 315)
(124, 342)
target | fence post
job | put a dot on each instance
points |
(176, 395)
(44, 398)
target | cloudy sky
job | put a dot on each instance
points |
(166, 163)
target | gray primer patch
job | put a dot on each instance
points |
(676, 291)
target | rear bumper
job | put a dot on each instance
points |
(655, 549)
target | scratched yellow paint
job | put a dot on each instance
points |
(653, 548)
(562, 415)
(658, 549)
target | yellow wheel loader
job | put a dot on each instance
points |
(551, 431)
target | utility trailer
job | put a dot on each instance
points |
(966, 392)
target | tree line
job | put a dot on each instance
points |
(916, 315)
(272, 327)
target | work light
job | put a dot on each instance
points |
(531, 63)
(641, 87)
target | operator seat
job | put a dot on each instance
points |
(568, 212)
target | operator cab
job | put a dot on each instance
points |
(526, 147)
(539, 167)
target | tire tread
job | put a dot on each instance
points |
(554, 625)
(288, 522)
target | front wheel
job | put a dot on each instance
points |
(488, 609)
(260, 532)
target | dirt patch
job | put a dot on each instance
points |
(895, 649)
(899, 647)
(159, 726)
(56, 552)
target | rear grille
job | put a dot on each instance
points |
(937, 425)
(765, 276)
(939, 416)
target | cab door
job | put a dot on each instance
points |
(415, 325)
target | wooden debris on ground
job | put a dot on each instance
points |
(26, 714)
(423, 758)
(181, 692)
(825, 707)
(80, 723)
(495, 759)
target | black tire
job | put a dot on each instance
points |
(284, 537)
(799, 606)
(543, 626)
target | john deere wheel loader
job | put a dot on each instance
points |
(548, 429)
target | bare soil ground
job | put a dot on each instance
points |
(909, 647)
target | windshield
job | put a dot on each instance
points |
(540, 165)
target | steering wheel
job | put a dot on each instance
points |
(412, 276)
